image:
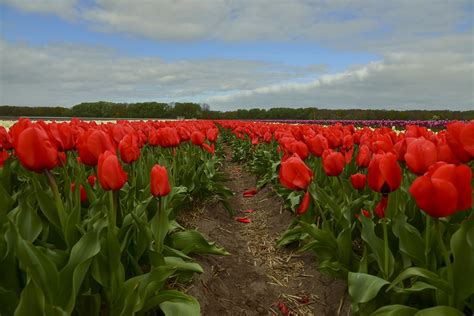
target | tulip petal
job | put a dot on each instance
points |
(243, 220)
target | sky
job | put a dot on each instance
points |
(398, 54)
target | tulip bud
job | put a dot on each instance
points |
(159, 184)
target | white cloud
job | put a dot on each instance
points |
(402, 80)
(64, 74)
(63, 8)
(335, 22)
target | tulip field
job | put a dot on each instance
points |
(90, 212)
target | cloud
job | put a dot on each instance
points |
(336, 22)
(65, 74)
(401, 80)
(63, 8)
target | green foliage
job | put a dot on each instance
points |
(104, 109)
(116, 253)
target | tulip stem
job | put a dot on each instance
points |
(57, 199)
(161, 220)
(112, 210)
(385, 246)
(447, 259)
(427, 241)
(344, 193)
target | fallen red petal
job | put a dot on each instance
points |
(243, 219)
(250, 193)
(283, 309)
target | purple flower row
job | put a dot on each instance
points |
(374, 123)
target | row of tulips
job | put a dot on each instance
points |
(388, 211)
(374, 123)
(87, 215)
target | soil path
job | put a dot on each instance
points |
(256, 277)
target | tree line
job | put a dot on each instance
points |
(191, 110)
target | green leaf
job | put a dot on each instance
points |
(377, 246)
(5, 201)
(46, 203)
(160, 227)
(439, 311)
(8, 301)
(174, 303)
(289, 236)
(74, 272)
(28, 222)
(137, 290)
(191, 241)
(32, 301)
(463, 265)
(321, 195)
(323, 236)
(395, 310)
(344, 247)
(418, 286)
(410, 241)
(182, 265)
(88, 305)
(41, 269)
(429, 276)
(364, 287)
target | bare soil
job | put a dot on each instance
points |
(257, 278)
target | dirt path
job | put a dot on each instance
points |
(256, 276)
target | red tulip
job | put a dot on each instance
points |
(91, 144)
(111, 175)
(299, 148)
(348, 153)
(317, 145)
(267, 137)
(91, 179)
(82, 192)
(165, 137)
(443, 190)
(304, 204)
(381, 207)
(212, 134)
(420, 154)
(211, 149)
(358, 181)
(5, 139)
(184, 133)
(3, 157)
(363, 156)
(63, 135)
(348, 141)
(198, 138)
(35, 150)
(333, 163)
(363, 212)
(294, 174)
(460, 137)
(159, 184)
(17, 128)
(444, 151)
(62, 158)
(384, 173)
(400, 149)
(128, 148)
